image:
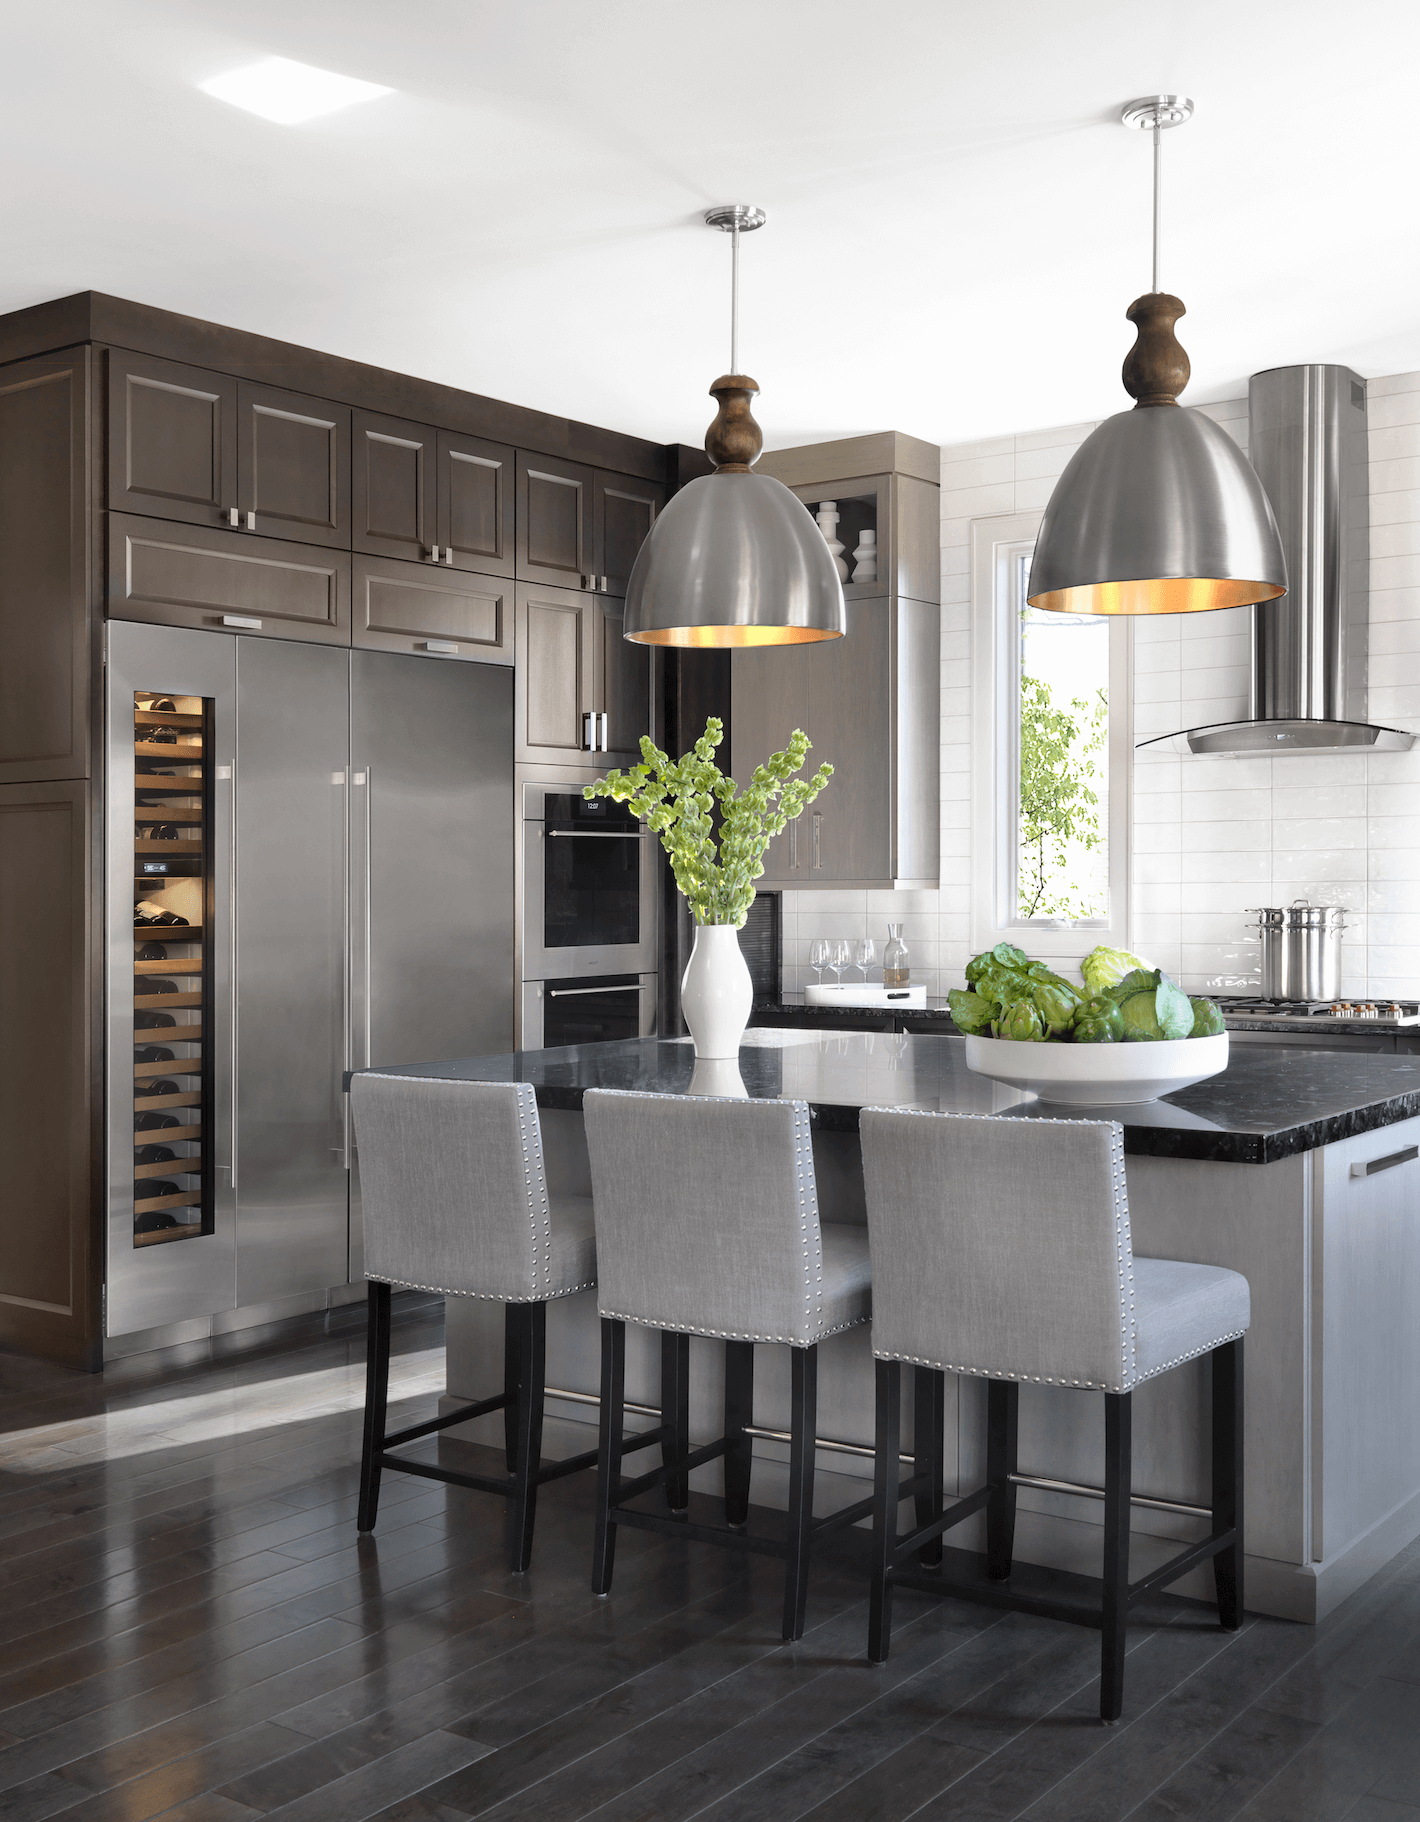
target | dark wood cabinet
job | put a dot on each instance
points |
(394, 497)
(226, 581)
(172, 440)
(476, 493)
(293, 466)
(44, 576)
(432, 612)
(624, 512)
(556, 521)
(574, 668)
(50, 1251)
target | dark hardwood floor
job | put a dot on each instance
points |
(190, 1628)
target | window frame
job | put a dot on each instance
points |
(997, 545)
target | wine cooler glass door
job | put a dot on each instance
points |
(171, 1137)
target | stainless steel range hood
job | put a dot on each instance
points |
(1307, 441)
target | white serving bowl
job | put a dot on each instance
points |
(1099, 1075)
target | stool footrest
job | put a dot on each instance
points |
(1183, 1562)
(465, 1414)
(909, 1546)
(699, 1534)
(846, 1515)
(998, 1594)
(673, 1470)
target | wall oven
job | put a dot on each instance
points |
(589, 923)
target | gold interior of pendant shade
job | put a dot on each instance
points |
(1164, 595)
(723, 636)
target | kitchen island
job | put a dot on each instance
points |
(1298, 1168)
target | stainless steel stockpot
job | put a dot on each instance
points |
(1301, 950)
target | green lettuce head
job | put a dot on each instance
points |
(1105, 967)
(971, 1012)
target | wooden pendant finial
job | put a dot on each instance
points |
(734, 440)
(1156, 368)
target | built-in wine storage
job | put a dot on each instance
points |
(172, 985)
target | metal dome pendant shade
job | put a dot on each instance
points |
(735, 559)
(1158, 511)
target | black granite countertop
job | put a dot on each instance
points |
(1268, 1103)
(794, 1015)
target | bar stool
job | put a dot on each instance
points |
(1001, 1248)
(708, 1224)
(454, 1200)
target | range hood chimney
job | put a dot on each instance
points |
(1307, 442)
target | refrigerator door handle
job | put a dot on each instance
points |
(227, 774)
(341, 781)
(367, 779)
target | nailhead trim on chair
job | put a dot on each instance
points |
(442, 1290)
(677, 1326)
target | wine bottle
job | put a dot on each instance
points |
(152, 1053)
(155, 1154)
(151, 1188)
(151, 984)
(150, 1088)
(153, 1220)
(153, 1122)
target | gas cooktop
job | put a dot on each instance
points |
(1287, 1015)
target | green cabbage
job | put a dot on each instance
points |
(1150, 1017)
(1207, 1019)
(1105, 967)
(1140, 980)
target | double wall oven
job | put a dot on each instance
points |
(589, 955)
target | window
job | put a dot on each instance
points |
(1051, 739)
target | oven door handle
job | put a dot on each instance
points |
(572, 993)
(595, 835)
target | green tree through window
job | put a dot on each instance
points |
(1061, 817)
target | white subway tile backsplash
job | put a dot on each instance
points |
(1235, 833)
(1072, 434)
(1316, 801)
(977, 471)
(1250, 867)
(1391, 382)
(1226, 806)
(1295, 871)
(1320, 832)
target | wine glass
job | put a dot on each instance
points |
(842, 955)
(866, 952)
(818, 957)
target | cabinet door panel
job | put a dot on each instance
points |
(172, 437)
(476, 503)
(294, 462)
(556, 515)
(625, 512)
(44, 593)
(227, 581)
(397, 608)
(394, 498)
(49, 1244)
(625, 688)
(556, 661)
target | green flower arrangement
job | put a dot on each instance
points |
(675, 798)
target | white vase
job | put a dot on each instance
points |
(720, 1077)
(866, 556)
(828, 525)
(716, 993)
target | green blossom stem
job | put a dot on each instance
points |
(676, 799)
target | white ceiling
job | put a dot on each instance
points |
(956, 223)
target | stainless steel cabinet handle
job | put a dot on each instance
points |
(434, 554)
(572, 993)
(446, 646)
(602, 719)
(232, 516)
(589, 732)
(243, 622)
(817, 860)
(449, 555)
(251, 521)
(1369, 1169)
(793, 847)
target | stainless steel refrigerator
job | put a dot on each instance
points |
(335, 832)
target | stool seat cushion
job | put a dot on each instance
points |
(572, 1265)
(1183, 1310)
(847, 1277)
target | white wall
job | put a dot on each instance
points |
(1211, 837)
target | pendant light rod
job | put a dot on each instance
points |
(735, 218)
(1152, 114)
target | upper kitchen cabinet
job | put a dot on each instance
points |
(395, 504)
(625, 511)
(583, 694)
(293, 466)
(556, 521)
(870, 702)
(172, 437)
(475, 509)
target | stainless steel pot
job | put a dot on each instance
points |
(1301, 950)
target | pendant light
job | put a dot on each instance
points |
(735, 559)
(1158, 511)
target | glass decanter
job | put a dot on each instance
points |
(897, 966)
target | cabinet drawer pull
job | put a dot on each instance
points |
(439, 645)
(244, 621)
(1389, 1162)
(232, 516)
(434, 554)
(251, 521)
(449, 556)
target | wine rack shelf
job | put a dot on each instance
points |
(172, 874)
(185, 1231)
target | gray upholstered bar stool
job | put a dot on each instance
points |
(708, 1224)
(454, 1200)
(1001, 1247)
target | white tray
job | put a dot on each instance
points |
(860, 993)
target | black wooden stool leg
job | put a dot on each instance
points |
(803, 1431)
(377, 1386)
(739, 1410)
(928, 1401)
(1228, 1479)
(1003, 1399)
(675, 1414)
(1115, 1607)
(532, 1351)
(886, 1472)
(613, 1417)
(511, 1331)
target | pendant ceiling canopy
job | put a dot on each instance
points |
(735, 559)
(1158, 511)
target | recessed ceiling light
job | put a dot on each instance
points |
(287, 92)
